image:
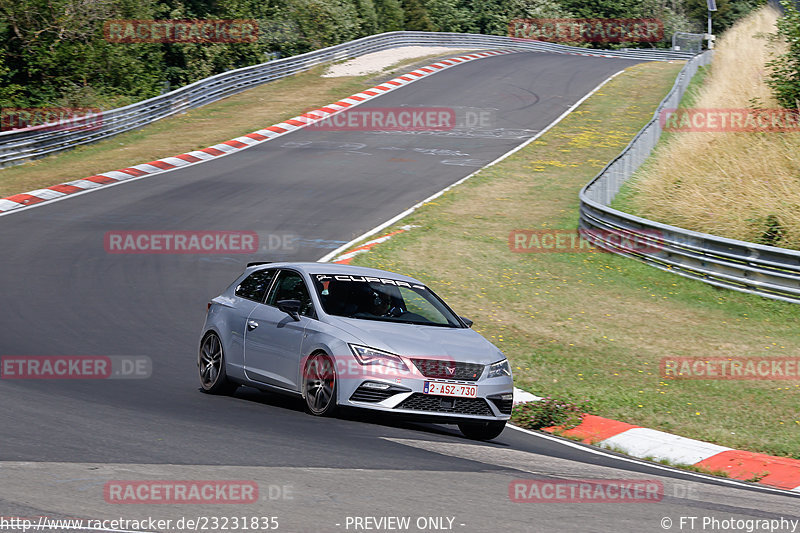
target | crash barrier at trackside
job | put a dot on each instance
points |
(743, 266)
(17, 146)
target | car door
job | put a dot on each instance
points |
(273, 339)
(233, 313)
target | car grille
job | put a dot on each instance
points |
(446, 404)
(443, 369)
(504, 406)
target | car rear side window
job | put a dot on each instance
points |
(255, 286)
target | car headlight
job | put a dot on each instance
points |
(371, 356)
(499, 369)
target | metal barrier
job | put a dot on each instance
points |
(743, 266)
(26, 144)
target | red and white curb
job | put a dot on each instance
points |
(167, 164)
(345, 258)
(636, 441)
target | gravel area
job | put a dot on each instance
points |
(377, 61)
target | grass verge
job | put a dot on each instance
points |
(594, 326)
(231, 117)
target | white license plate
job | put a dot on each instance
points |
(450, 389)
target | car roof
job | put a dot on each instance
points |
(336, 268)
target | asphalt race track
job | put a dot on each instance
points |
(63, 294)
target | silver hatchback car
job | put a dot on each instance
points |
(341, 335)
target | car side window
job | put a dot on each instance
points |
(290, 286)
(254, 286)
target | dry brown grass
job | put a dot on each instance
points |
(738, 185)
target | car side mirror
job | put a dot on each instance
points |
(466, 321)
(290, 307)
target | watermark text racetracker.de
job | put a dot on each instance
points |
(731, 368)
(730, 120)
(730, 524)
(389, 119)
(403, 119)
(75, 367)
(181, 492)
(197, 242)
(585, 491)
(50, 119)
(363, 365)
(181, 31)
(583, 241)
(595, 30)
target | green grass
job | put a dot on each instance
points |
(595, 326)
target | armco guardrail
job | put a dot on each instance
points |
(743, 266)
(25, 144)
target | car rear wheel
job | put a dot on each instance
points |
(211, 366)
(319, 384)
(482, 430)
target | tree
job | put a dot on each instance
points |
(448, 15)
(325, 22)
(784, 76)
(10, 93)
(390, 15)
(726, 14)
(602, 8)
(539, 9)
(367, 16)
(416, 17)
(55, 51)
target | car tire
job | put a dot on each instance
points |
(482, 430)
(320, 384)
(211, 367)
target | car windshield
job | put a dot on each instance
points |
(387, 300)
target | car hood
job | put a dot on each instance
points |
(458, 344)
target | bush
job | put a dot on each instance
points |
(784, 77)
(549, 412)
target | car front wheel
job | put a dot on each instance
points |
(319, 384)
(482, 430)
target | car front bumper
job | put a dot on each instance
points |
(406, 397)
